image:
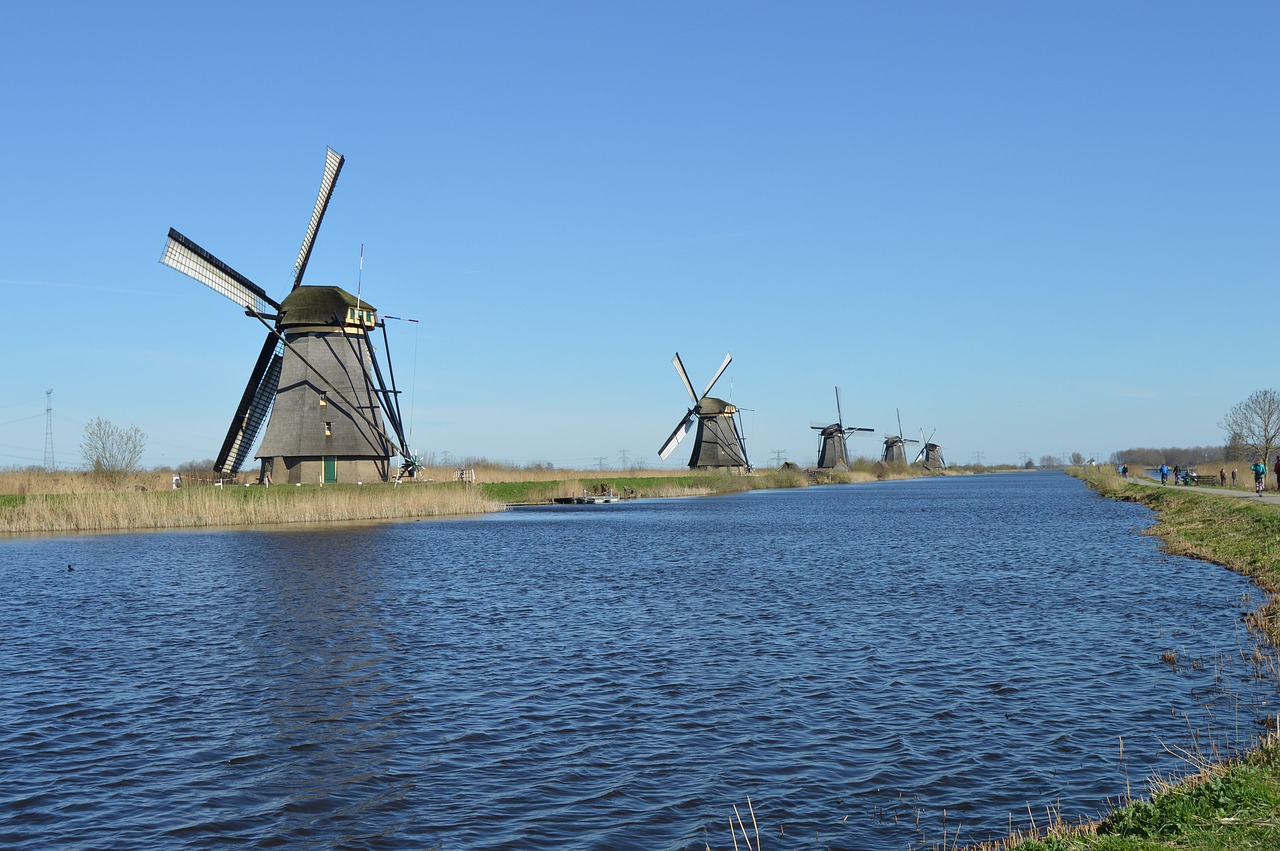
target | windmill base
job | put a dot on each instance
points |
(285, 470)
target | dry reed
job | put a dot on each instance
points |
(209, 506)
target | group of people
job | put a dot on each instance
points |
(1258, 468)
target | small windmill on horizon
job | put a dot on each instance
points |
(833, 452)
(895, 445)
(930, 454)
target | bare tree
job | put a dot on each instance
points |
(112, 453)
(1255, 423)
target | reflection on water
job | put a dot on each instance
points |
(615, 677)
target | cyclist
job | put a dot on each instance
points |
(1259, 475)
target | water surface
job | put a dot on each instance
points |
(857, 660)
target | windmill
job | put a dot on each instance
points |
(719, 440)
(833, 454)
(930, 454)
(895, 445)
(316, 376)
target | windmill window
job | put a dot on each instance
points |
(328, 429)
(324, 398)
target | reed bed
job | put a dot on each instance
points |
(488, 472)
(188, 508)
(35, 481)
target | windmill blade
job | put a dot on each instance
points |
(839, 413)
(676, 436)
(727, 358)
(684, 377)
(898, 411)
(254, 406)
(332, 166)
(193, 261)
(920, 454)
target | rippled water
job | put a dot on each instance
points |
(858, 660)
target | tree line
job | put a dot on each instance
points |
(1253, 434)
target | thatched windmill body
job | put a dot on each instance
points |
(895, 445)
(317, 383)
(719, 442)
(833, 453)
(930, 454)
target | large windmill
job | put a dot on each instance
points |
(930, 454)
(316, 375)
(719, 441)
(895, 445)
(833, 454)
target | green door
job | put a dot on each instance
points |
(330, 469)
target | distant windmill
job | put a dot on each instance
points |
(895, 445)
(719, 441)
(833, 454)
(930, 454)
(316, 374)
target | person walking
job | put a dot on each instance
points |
(1222, 477)
(1277, 470)
(1233, 477)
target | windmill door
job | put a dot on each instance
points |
(330, 469)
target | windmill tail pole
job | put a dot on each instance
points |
(413, 379)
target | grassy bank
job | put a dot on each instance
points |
(35, 501)
(189, 508)
(1217, 806)
(75, 502)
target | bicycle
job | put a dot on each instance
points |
(1257, 484)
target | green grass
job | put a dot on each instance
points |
(1228, 808)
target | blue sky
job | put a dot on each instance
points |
(995, 217)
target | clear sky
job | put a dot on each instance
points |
(1037, 228)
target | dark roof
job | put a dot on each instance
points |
(318, 306)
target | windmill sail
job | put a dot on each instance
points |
(676, 436)
(332, 167)
(193, 261)
(255, 404)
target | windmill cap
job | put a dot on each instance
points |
(712, 405)
(319, 306)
